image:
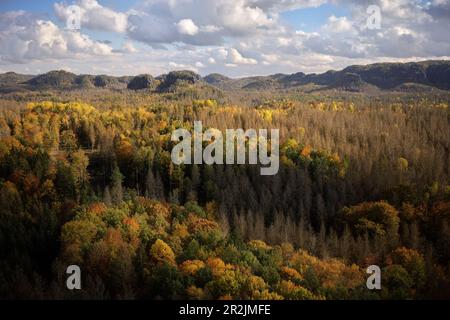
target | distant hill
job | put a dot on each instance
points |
(59, 80)
(175, 80)
(403, 77)
(383, 76)
(144, 81)
(11, 81)
(55, 79)
(216, 78)
(13, 78)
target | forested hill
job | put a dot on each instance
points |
(409, 77)
(63, 81)
(385, 76)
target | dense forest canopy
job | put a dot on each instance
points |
(86, 178)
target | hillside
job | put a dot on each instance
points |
(11, 81)
(411, 77)
(383, 76)
(173, 82)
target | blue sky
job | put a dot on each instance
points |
(233, 37)
(311, 19)
(47, 5)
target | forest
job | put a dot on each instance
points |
(86, 179)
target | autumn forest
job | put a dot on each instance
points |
(86, 179)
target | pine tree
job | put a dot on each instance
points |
(116, 185)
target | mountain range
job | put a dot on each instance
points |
(414, 76)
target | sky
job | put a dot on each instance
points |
(233, 37)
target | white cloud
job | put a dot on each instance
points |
(26, 38)
(284, 5)
(338, 25)
(128, 47)
(187, 27)
(222, 53)
(409, 28)
(180, 66)
(197, 22)
(236, 58)
(211, 29)
(283, 41)
(94, 16)
(270, 58)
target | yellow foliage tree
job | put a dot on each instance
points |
(161, 253)
(191, 267)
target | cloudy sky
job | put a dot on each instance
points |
(232, 37)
